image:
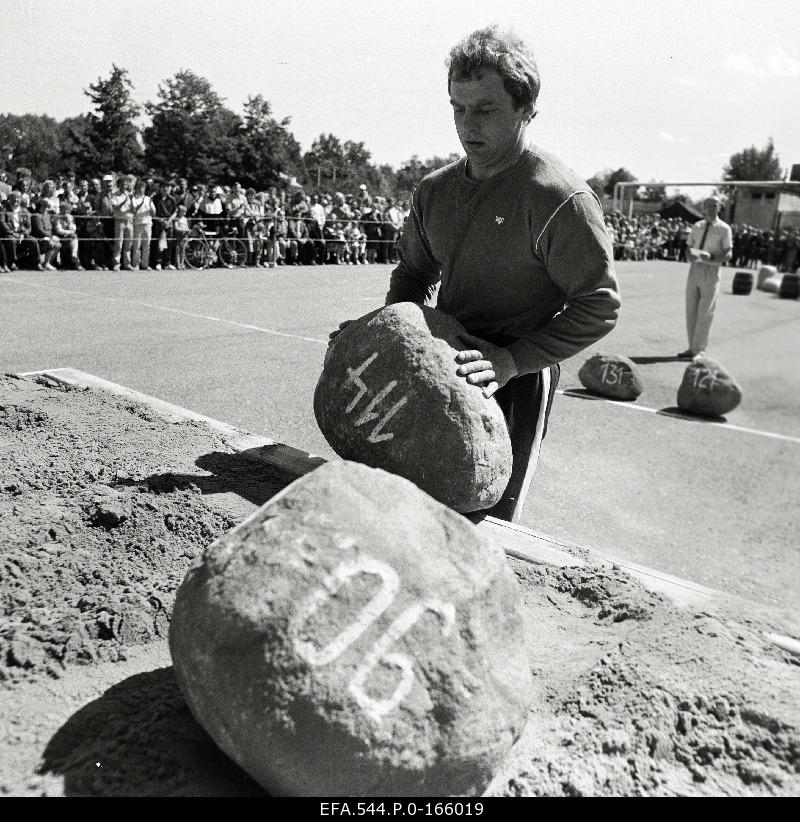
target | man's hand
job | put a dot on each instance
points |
(485, 364)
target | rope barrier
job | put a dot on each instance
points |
(106, 230)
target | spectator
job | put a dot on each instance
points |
(143, 212)
(183, 195)
(162, 248)
(65, 228)
(16, 232)
(123, 222)
(181, 233)
(47, 243)
(372, 231)
(105, 213)
(48, 194)
(5, 188)
(22, 184)
(392, 226)
(299, 248)
(316, 212)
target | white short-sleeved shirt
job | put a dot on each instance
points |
(719, 240)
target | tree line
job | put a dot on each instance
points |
(193, 134)
(751, 163)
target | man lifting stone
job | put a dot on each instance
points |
(517, 244)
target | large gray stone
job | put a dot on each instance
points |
(612, 376)
(389, 397)
(355, 637)
(766, 272)
(708, 389)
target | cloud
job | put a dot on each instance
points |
(777, 64)
(669, 137)
(688, 81)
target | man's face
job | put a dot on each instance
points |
(711, 210)
(488, 125)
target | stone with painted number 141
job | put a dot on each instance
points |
(389, 397)
(355, 637)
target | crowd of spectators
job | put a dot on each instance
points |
(648, 237)
(121, 222)
(753, 247)
(651, 237)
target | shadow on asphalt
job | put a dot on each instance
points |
(140, 739)
(675, 411)
(586, 394)
(652, 360)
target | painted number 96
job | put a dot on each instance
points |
(376, 709)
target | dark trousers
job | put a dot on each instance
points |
(525, 402)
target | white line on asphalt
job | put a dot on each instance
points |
(566, 392)
(724, 425)
(180, 311)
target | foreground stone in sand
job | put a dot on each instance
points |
(612, 376)
(355, 637)
(389, 397)
(708, 389)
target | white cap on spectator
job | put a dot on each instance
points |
(108, 177)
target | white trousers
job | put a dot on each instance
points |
(142, 234)
(702, 290)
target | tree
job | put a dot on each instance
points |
(621, 175)
(30, 140)
(597, 182)
(76, 146)
(192, 133)
(109, 138)
(413, 170)
(754, 164)
(653, 193)
(267, 149)
(326, 161)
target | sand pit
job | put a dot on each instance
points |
(103, 505)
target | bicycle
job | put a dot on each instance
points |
(202, 252)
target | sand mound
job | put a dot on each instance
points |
(103, 505)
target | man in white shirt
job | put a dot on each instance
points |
(710, 244)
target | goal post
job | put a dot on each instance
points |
(618, 198)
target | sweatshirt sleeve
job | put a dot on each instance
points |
(415, 278)
(578, 256)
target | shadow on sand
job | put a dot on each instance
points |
(242, 473)
(140, 739)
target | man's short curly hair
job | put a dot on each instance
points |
(502, 51)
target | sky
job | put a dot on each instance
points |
(667, 89)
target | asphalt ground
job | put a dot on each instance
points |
(716, 503)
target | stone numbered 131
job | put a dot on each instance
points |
(355, 637)
(708, 389)
(612, 376)
(389, 397)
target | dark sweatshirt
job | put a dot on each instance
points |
(523, 259)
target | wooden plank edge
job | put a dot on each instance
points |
(517, 541)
